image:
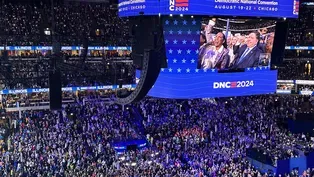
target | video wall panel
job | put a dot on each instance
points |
(185, 79)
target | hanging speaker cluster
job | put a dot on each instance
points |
(148, 54)
(149, 74)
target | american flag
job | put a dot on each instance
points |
(181, 3)
(233, 84)
(296, 7)
(182, 40)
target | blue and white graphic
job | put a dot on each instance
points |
(299, 47)
(244, 8)
(205, 85)
(65, 89)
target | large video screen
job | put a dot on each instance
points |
(235, 43)
(185, 39)
(244, 8)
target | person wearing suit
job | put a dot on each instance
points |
(248, 55)
(215, 55)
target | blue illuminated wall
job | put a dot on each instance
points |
(182, 80)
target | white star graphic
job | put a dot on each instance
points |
(198, 32)
(189, 32)
(174, 60)
(254, 68)
(184, 42)
(205, 70)
(188, 51)
(192, 61)
(167, 22)
(196, 70)
(213, 70)
(170, 50)
(170, 69)
(175, 41)
(179, 51)
(184, 22)
(162, 69)
(166, 41)
(196, 51)
(266, 67)
(179, 32)
(260, 68)
(175, 22)
(194, 22)
(193, 42)
(248, 69)
(167, 61)
(184, 60)
(179, 70)
(170, 32)
(188, 70)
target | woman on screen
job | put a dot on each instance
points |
(216, 55)
(213, 54)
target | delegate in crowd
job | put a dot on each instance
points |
(186, 138)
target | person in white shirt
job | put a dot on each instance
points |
(216, 55)
(213, 52)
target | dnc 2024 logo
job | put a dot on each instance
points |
(179, 5)
(234, 84)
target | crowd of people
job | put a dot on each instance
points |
(299, 32)
(294, 69)
(25, 23)
(201, 137)
(21, 73)
(186, 138)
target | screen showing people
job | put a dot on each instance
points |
(235, 43)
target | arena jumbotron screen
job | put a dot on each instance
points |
(244, 8)
(205, 56)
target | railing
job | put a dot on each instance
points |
(46, 105)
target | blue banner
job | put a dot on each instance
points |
(210, 85)
(65, 89)
(280, 91)
(299, 47)
(19, 48)
(259, 8)
(306, 92)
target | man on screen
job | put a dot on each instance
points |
(248, 55)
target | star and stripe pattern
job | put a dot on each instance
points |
(182, 41)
